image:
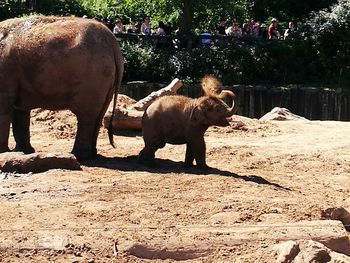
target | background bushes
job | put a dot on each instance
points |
(237, 62)
(318, 55)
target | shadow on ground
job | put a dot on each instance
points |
(130, 163)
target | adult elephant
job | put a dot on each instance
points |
(178, 119)
(57, 63)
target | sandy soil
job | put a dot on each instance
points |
(263, 173)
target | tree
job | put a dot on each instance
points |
(285, 9)
(10, 9)
(330, 35)
(186, 15)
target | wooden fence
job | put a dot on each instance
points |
(254, 101)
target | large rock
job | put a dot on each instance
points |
(280, 114)
(36, 162)
(198, 241)
(307, 251)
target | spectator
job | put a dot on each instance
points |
(246, 28)
(160, 31)
(289, 31)
(168, 29)
(162, 41)
(110, 24)
(118, 26)
(145, 27)
(133, 29)
(254, 29)
(272, 31)
(263, 31)
(221, 28)
(234, 30)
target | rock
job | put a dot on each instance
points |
(198, 241)
(164, 251)
(286, 251)
(312, 251)
(307, 251)
(36, 162)
(281, 114)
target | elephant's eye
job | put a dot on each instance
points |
(210, 107)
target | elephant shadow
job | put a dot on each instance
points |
(163, 166)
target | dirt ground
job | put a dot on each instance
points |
(266, 174)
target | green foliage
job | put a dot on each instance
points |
(10, 9)
(60, 7)
(145, 62)
(235, 61)
(15, 8)
(330, 36)
(286, 10)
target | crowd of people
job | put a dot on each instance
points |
(143, 28)
(253, 29)
(250, 28)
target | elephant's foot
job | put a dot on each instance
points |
(25, 149)
(84, 153)
(146, 160)
(203, 167)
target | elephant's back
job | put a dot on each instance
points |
(168, 105)
(167, 118)
(55, 33)
(57, 57)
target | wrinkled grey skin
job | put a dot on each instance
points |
(57, 63)
(182, 120)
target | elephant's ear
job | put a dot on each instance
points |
(197, 114)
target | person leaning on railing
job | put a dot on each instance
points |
(145, 27)
(272, 31)
(118, 26)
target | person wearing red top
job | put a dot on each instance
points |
(272, 30)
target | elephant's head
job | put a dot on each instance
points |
(210, 110)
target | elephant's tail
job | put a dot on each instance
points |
(119, 69)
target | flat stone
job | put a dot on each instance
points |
(196, 241)
(36, 162)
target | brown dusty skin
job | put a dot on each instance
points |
(264, 173)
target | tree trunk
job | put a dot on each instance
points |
(31, 4)
(185, 25)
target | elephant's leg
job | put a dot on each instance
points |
(198, 149)
(5, 121)
(147, 154)
(85, 141)
(147, 157)
(6, 108)
(21, 132)
(189, 156)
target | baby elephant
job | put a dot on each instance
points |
(178, 119)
